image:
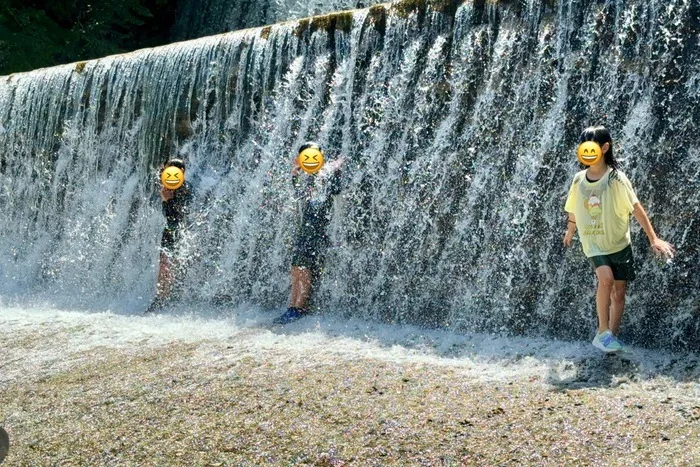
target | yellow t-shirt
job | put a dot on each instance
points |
(602, 212)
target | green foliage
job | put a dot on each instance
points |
(39, 33)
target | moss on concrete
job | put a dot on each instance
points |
(302, 27)
(405, 8)
(335, 21)
(445, 6)
(377, 17)
(343, 21)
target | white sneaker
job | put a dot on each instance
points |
(606, 342)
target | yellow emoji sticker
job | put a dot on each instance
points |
(310, 160)
(172, 178)
(589, 152)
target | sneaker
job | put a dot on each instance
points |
(623, 346)
(155, 306)
(289, 316)
(606, 342)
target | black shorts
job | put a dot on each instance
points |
(621, 263)
(169, 240)
(308, 252)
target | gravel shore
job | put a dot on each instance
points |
(212, 403)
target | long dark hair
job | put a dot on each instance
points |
(179, 163)
(309, 144)
(601, 135)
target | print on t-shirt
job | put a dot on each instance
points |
(593, 206)
(592, 203)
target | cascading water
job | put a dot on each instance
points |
(459, 121)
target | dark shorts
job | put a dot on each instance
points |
(621, 263)
(308, 252)
(169, 240)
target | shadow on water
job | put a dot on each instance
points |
(601, 370)
(612, 370)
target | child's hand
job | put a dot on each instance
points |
(295, 167)
(568, 237)
(663, 248)
(338, 163)
(166, 194)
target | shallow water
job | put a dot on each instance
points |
(41, 340)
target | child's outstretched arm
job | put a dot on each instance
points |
(659, 246)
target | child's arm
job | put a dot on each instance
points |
(659, 246)
(570, 229)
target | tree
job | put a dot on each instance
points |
(39, 33)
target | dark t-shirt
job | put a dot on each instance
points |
(175, 211)
(176, 208)
(314, 195)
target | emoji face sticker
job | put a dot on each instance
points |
(172, 178)
(589, 153)
(310, 160)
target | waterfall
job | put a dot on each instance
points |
(459, 121)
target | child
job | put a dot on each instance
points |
(175, 206)
(314, 194)
(600, 201)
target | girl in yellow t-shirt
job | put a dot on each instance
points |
(600, 202)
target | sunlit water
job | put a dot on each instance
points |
(459, 125)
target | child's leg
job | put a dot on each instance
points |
(165, 277)
(301, 287)
(617, 305)
(602, 299)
